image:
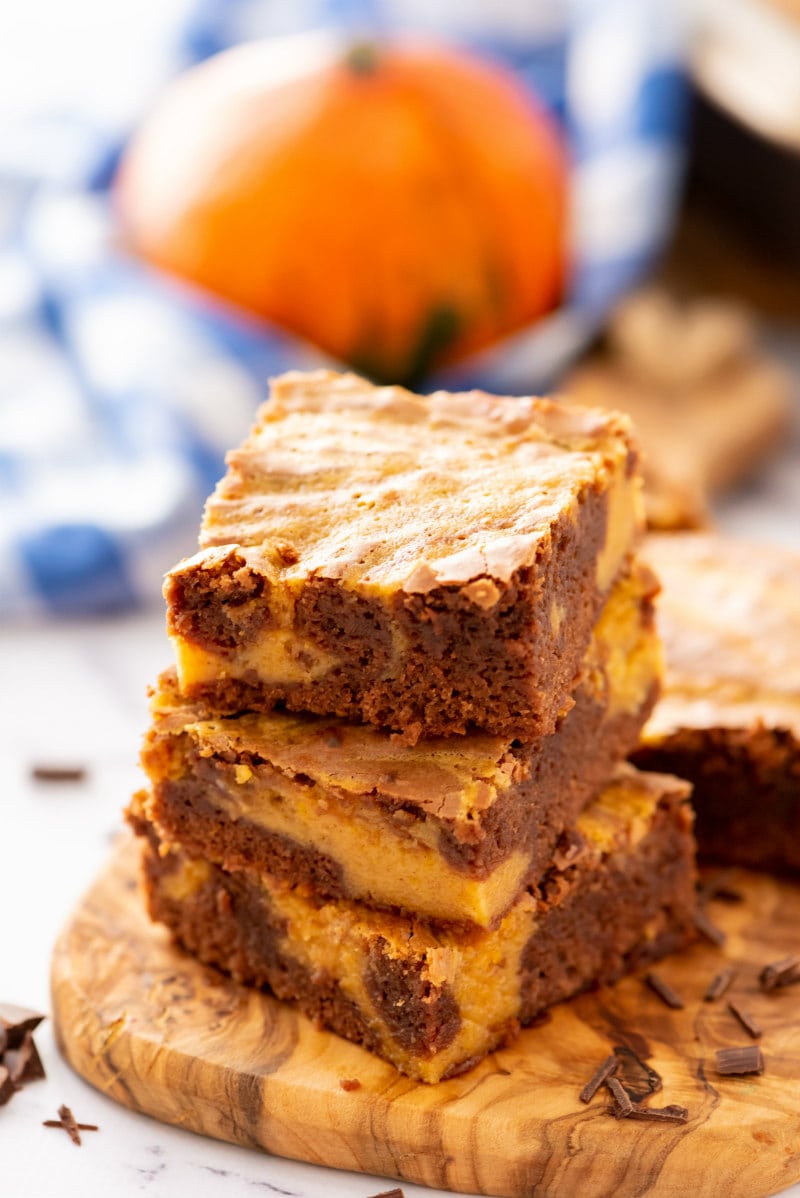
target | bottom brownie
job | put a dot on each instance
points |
(434, 1003)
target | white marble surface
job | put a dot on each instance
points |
(75, 692)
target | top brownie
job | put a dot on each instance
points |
(425, 564)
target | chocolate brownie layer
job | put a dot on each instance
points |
(729, 719)
(453, 828)
(425, 564)
(435, 1003)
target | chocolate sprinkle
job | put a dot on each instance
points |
(58, 773)
(718, 986)
(746, 1058)
(707, 928)
(350, 1083)
(600, 1075)
(780, 973)
(622, 1103)
(748, 1023)
(664, 991)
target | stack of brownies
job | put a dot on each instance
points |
(412, 654)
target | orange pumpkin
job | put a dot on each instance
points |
(399, 205)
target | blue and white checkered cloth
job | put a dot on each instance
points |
(120, 391)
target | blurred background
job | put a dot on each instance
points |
(599, 198)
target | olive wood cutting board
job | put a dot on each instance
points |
(161, 1033)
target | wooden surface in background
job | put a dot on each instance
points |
(163, 1034)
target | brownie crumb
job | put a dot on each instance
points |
(747, 1058)
(286, 552)
(58, 773)
(600, 1075)
(622, 1103)
(707, 928)
(350, 1083)
(719, 984)
(780, 973)
(668, 996)
(747, 1021)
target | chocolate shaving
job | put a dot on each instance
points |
(664, 991)
(81, 1126)
(717, 887)
(707, 928)
(350, 1083)
(780, 973)
(639, 1079)
(24, 1063)
(600, 1075)
(7, 1087)
(719, 984)
(746, 1058)
(660, 1114)
(16, 1021)
(748, 1023)
(58, 773)
(69, 1123)
(622, 1103)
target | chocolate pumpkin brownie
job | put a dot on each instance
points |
(453, 827)
(425, 564)
(435, 1002)
(729, 719)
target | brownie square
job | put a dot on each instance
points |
(425, 564)
(729, 719)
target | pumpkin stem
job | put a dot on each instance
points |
(362, 58)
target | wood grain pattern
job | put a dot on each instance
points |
(160, 1033)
